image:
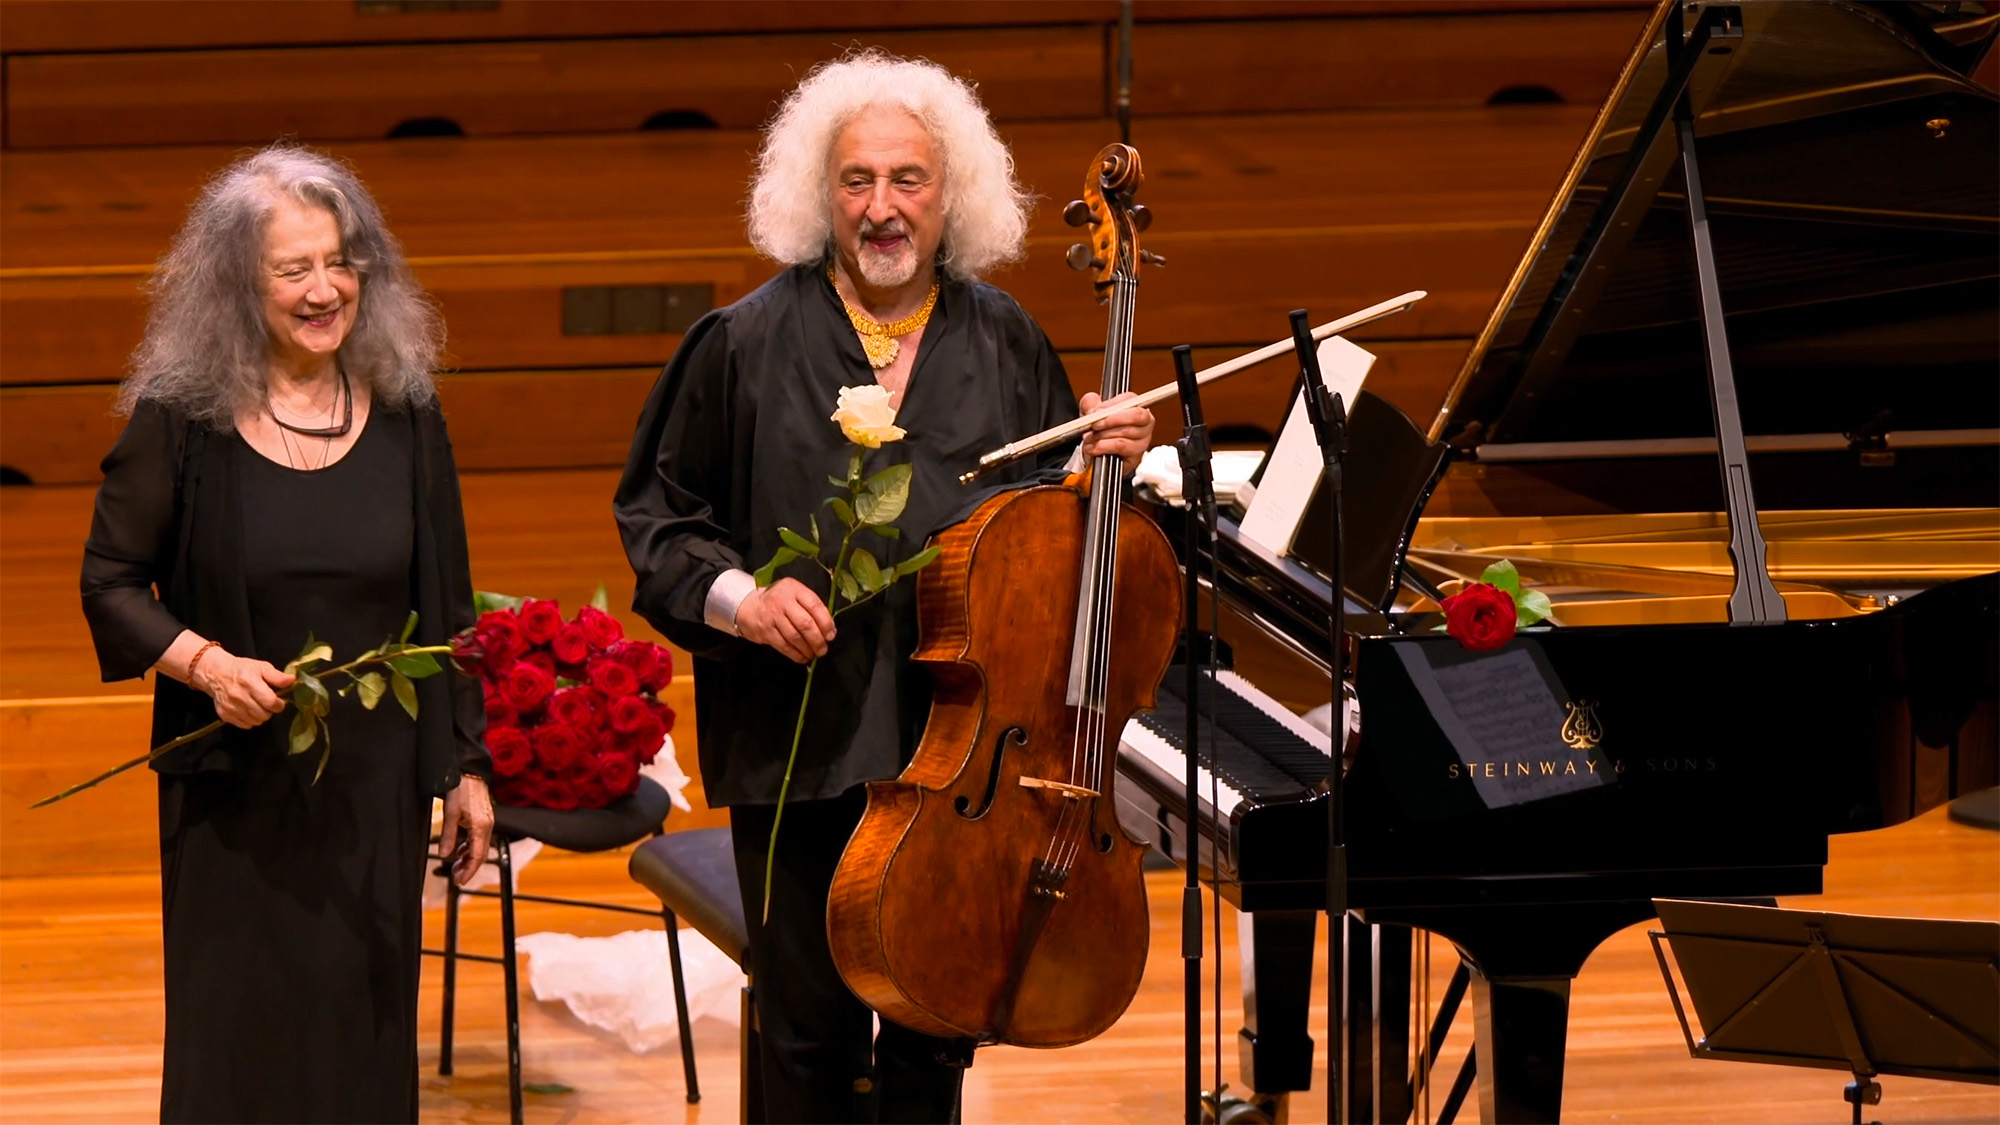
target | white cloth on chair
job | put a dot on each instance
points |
(624, 983)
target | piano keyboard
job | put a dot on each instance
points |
(1260, 751)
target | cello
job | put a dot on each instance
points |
(989, 892)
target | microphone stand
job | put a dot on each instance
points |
(1198, 492)
(1329, 422)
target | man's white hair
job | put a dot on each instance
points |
(791, 202)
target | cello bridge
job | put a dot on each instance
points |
(1070, 792)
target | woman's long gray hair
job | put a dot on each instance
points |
(791, 203)
(207, 348)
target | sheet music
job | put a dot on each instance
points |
(1504, 716)
(1279, 500)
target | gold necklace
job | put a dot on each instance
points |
(878, 340)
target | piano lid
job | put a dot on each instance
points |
(1855, 210)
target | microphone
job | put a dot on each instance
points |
(1325, 411)
(1196, 486)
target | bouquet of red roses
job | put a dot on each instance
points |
(572, 707)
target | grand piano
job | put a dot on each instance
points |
(1737, 412)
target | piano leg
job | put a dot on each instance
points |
(1378, 1022)
(1275, 1047)
(1389, 1081)
(1520, 1025)
(1522, 959)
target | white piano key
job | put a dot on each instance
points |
(1161, 753)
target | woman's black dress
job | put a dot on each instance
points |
(293, 914)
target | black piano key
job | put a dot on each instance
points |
(1273, 741)
(1224, 755)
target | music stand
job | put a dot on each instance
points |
(1916, 997)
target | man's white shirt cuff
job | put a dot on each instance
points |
(725, 597)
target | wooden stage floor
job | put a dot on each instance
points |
(80, 1001)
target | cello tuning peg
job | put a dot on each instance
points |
(1077, 213)
(1079, 257)
(1141, 217)
(1151, 259)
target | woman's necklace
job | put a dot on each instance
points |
(343, 390)
(878, 340)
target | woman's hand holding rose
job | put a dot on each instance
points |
(245, 690)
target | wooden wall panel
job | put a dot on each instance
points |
(1024, 73)
(1256, 216)
(1378, 63)
(116, 25)
(566, 86)
(584, 419)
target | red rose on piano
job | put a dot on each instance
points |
(1481, 617)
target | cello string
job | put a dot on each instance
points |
(1107, 482)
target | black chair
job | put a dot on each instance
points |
(694, 875)
(623, 822)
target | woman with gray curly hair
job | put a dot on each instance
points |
(286, 473)
(885, 191)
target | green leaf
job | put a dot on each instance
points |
(601, 599)
(325, 751)
(918, 561)
(887, 532)
(1503, 575)
(805, 547)
(371, 687)
(836, 482)
(485, 601)
(406, 692)
(416, 665)
(545, 1088)
(1531, 607)
(812, 522)
(841, 511)
(764, 574)
(866, 570)
(304, 729)
(885, 495)
(314, 651)
(844, 582)
(309, 695)
(409, 626)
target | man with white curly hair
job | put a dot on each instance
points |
(884, 190)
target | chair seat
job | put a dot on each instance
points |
(694, 875)
(587, 830)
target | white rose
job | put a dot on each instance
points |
(866, 417)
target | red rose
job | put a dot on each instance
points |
(540, 621)
(511, 750)
(613, 678)
(589, 787)
(558, 745)
(498, 636)
(577, 706)
(642, 746)
(599, 627)
(571, 645)
(527, 686)
(628, 713)
(499, 712)
(664, 714)
(540, 658)
(636, 655)
(618, 772)
(556, 793)
(1482, 617)
(663, 667)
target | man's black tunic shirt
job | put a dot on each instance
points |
(737, 440)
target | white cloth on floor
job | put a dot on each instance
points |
(624, 983)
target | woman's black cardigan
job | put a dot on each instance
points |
(168, 518)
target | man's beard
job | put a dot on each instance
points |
(891, 270)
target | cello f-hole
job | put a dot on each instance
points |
(1018, 737)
